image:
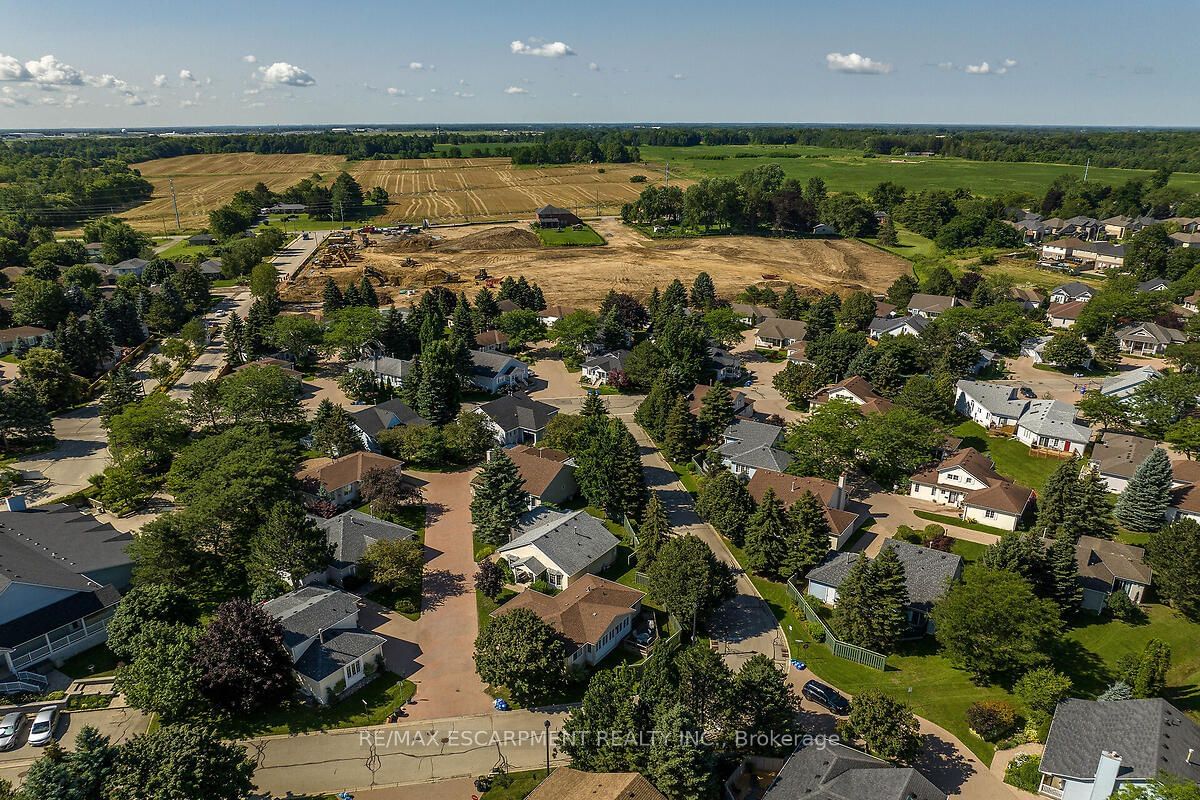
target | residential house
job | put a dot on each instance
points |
(61, 575)
(833, 496)
(932, 306)
(928, 574)
(1064, 315)
(728, 367)
(506, 305)
(493, 372)
(598, 370)
(750, 314)
(1088, 228)
(572, 784)
(1028, 298)
(130, 266)
(552, 314)
(1185, 224)
(1122, 226)
(743, 406)
(797, 353)
(548, 475)
(492, 341)
(1125, 384)
(1154, 285)
(884, 309)
(821, 229)
(1192, 302)
(776, 333)
(1070, 292)
(911, 325)
(592, 615)
(1116, 456)
(372, 421)
(748, 446)
(1053, 226)
(11, 274)
(857, 390)
(1034, 349)
(24, 336)
(387, 371)
(283, 208)
(212, 268)
(837, 772)
(992, 405)
(1031, 229)
(339, 480)
(558, 547)
(549, 216)
(350, 534)
(1148, 338)
(95, 252)
(1102, 255)
(1106, 567)
(1183, 239)
(202, 240)
(331, 654)
(517, 419)
(1096, 748)
(968, 480)
(1185, 494)
(1053, 425)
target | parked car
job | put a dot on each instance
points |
(10, 727)
(826, 696)
(42, 730)
(1028, 394)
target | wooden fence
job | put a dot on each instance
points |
(850, 652)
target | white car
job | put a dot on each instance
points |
(10, 726)
(42, 730)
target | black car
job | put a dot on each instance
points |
(826, 696)
(1028, 394)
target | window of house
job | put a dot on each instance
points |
(989, 514)
(555, 578)
(353, 669)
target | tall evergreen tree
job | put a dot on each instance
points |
(871, 602)
(767, 535)
(1143, 504)
(1107, 350)
(653, 531)
(725, 504)
(119, 391)
(1062, 574)
(679, 436)
(352, 296)
(24, 419)
(500, 498)
(367, 292)
(396, 337)
(679, 768)
(333, 432)
(331, 298)
(887, 233)
(611, 332)
(439, 390)
(704, 294)
(1058, 497)
(609, 471)
(593, 406)
(808, 543)
(463, 319)
(674, 299)
(789, 306)
(852, 615)
(652, 413)
(1091, 515)
(716, 411)
(235, 341)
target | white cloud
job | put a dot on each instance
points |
(159, 81)
(258, 104)
(945, 65)
(593, 66)
(10, 97)
(516, 90)
(984, 68)
(679, 76)
(49, 71)
(186, 75)
(854, 63)
(543, 49)
(394, 92)
(134, 100)
(250, 58)
(12, 70)
(417, 66)
(285, 74)
(464, 95)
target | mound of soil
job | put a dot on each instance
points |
(404, 244)
(494, 239)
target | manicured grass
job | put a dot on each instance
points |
(225, 283)
(382, 696)
(404, 603)
(955, 522)
(182, 249)
(968, 551)
(484, 605)
(515, 785)
(908, 244)
(689, 479)
(569, 237)
(94, 662)
(306, 222)
(847, 170)
(1012, 459)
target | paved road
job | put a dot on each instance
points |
(408, 753)
(118, 723)
(292, 256)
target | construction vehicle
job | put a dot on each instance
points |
(482, 275)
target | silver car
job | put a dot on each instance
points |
(42, 730)
(10, 728)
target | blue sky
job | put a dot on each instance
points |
(83, 64)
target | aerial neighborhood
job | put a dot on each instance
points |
(820, 492)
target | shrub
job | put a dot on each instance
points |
(992, 719)
(910, 535)
(1041, 689)
(1024, 772)
(944, 543)
(816, 631)
(1121, 607)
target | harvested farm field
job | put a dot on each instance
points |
(438, 189)
(630, 262)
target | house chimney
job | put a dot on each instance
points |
(1191, 752)
(1106, 775)
(842, 481)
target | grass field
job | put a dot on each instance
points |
(847, 170)
(568, 237)
(368, 706)
(1012, 459)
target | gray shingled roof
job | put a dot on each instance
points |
(888, 324)
(1151, 332)
(306, 612)
(838, 772)
(55, 546)
(1151, 736)
(998, 398)
(339, 648)
(1074, 290)
(351, 532)
(1054, 418)
(519, 411)
(609, 362)
(572, 541)
(487, 364)
(384, 365)
(383, 416)
(751, 444)
(1121, 454)
(1125, 383)
(778, 328)
(927, 572)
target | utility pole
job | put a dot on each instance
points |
(1086, 167)
(174, 201)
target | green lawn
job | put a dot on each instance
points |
(515, 785)
(969, 551)
(182, 249)
(382, 696)
(909, 244)
(94, 662)
(1012, 459)
(847, 170)
(943, 519)
(569, 237)
(306, 222)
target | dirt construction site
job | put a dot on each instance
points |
(580, 276)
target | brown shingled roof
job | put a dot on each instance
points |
(336, 473)
(539, 466)
(861, 388)
(583, 611)
(571, 784)
(1067, 310)
(1010, 498)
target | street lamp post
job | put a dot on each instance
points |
(547, 724)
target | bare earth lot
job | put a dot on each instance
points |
(438, 189)
(630, 262)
